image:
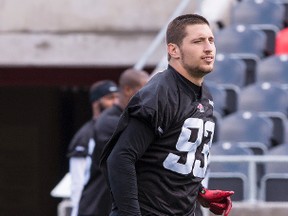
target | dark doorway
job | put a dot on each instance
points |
(40, 110)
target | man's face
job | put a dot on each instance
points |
(197, 50)
(108, 100)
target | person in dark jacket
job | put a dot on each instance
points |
(102, 95)
(96, 198)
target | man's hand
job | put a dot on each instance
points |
(217, 201)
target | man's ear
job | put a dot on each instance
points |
(127, 90)
(173, 50)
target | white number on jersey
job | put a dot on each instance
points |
(184, 144)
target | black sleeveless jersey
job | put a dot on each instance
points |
(171, 169)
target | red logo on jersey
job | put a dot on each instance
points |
(200, 107)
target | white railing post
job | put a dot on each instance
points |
(252, 179)
(160, 36)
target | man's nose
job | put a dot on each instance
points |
(209, 47)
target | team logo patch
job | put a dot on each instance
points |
(200, 107)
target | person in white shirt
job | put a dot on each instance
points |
(103, 94)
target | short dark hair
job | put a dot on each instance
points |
(176, 29)
(132, 77)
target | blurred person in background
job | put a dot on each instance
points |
(96, 198)
(102, 95)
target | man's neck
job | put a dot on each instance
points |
(196, 80)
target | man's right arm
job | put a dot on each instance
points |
(130, 146)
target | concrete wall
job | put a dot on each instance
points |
(94, 32)
(259, 209)
(254, 209)
(85, 15)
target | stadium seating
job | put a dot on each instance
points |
(241, 40)
(269, 100)
(274, 188)
(231, 92)
(255, 122)
(273, 69)
(274, 183)
(229, 175)
(258, 12)
(264, 97)
(244, 126)
(281, 149)
(238, 148)
(267, 16)
(232, 95)
(220, 105)
(251, 62)
(235, 181)
(271, 34)
(228, 70)
(284, 3)
(219, 97)
(217, 119)
(229, 148)
(257, 148)
(243, 43)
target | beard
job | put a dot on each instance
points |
(194, 71)
(102, 107)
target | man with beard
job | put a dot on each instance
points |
(157, 157)
(103, 94)
(96, 198)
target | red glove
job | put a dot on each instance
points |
(217, 201)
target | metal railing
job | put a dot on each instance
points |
(160, 36)
(252, 168)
